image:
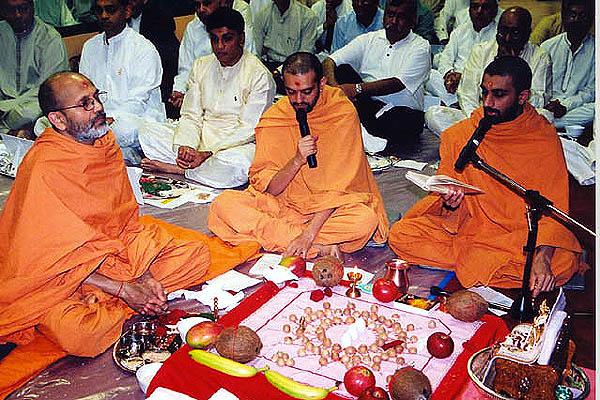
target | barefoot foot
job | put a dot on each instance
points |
(154, 165)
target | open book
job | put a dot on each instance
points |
(439, 183)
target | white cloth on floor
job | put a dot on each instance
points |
(440, 118)
(219, 114)
(573, 78)
(161, 393)
(196, 43)
(372, 144)
(113, 66)
(374, 58)
(581, 161)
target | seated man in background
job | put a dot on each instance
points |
(481, 236)
(113, 61)
(366, 16)
(548, 27)
(195, 44)
(228, 91)
(447, 18)
(393, 65)
(96, 263)
(424, 25)
(328, 12)
(512, 37)
(283, 27)
(156, 23)
(31, 52)
(332, 208)
(573, 66)
(481, 27)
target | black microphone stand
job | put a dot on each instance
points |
(537, 205)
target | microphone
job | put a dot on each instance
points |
(466, 154)
(305, 131)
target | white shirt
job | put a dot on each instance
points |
(128, 68)
(448, 12)
(196, 43)
(469, 90)
(223, 104)
(319, 8)
(277, 36)
(374, 58)
(573, 81)
(134, 23)
(462, 40)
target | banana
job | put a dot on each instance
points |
(296, 389)
(223, 364)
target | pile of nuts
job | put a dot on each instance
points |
(309, 332)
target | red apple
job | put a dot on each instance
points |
(358, 379)
(440, 345)
(296, 264)
(385, 290)
(203, 334)
(374, 393)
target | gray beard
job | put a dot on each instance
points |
(92, 134)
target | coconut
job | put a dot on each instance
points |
(409, 384)
(466, 306)
(240, 344)
(328, 271)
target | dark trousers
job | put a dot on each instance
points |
(401, 126)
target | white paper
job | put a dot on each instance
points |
(233, 280)
(493, 296)
(207, 295)
(269, 261)
(223, 394)
(134, 174)
(412, 164)
(161, 393)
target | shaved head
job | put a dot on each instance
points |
(49, 95)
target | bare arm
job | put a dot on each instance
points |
(303, 242)
(329, 71)
(306, 146)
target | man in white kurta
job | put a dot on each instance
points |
(573, 67)
(31, 52)
(284, 27)
(514, 28)
(196, 43)
(481, 27)
(125, 64)
(392, 66)
(226, 97)
(447, 18)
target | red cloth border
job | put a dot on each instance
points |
(182, 374)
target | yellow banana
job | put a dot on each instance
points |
(223, 364)
(296, 389)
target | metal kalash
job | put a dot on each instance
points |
(537, 205)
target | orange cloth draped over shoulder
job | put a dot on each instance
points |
(71, 212)
(483, 239)
(342, 180)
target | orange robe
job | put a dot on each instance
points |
(342, 181)
(71, 212)
(483, 239)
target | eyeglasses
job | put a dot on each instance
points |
(88, 103)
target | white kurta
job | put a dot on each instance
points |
(374, 58)
(573, 79)
(196, 43)
(128, 67)
(219, 114)
(277, 36)
(455, 55)
(27, 60)
(444, 22)
(439, 118)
